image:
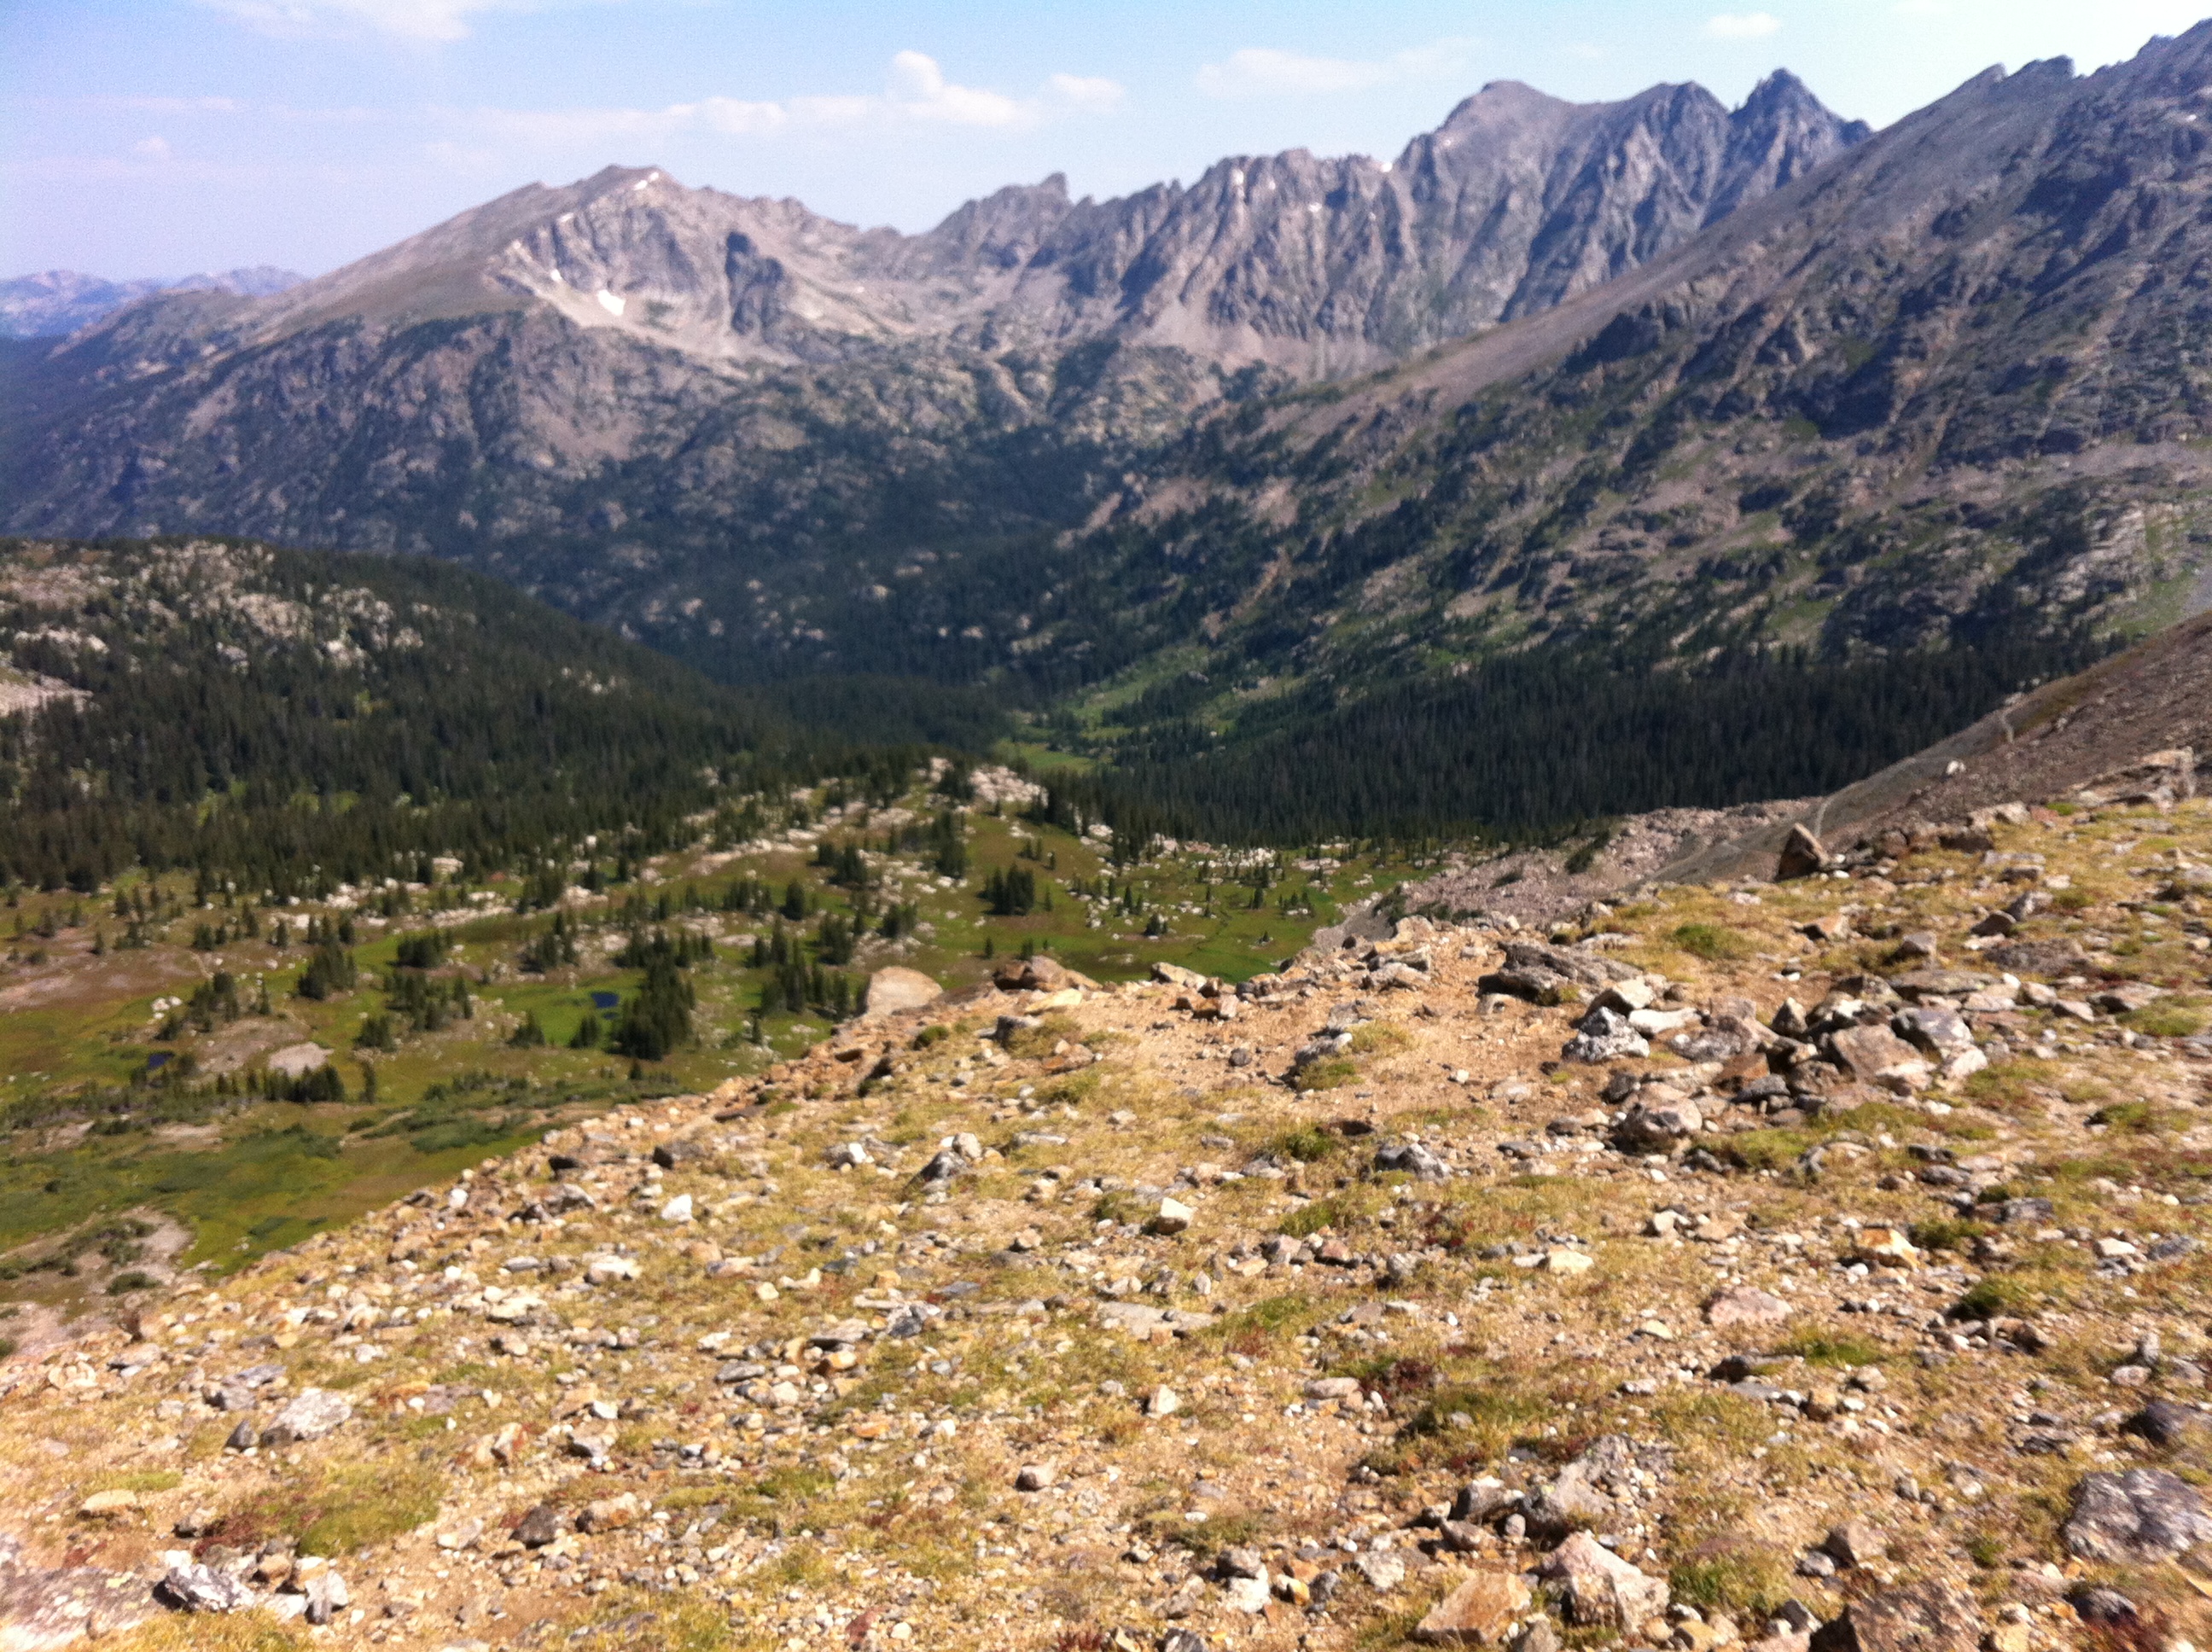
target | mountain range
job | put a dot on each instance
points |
(56, 302)
(1651, 380)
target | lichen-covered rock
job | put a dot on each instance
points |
(2140, 1515)
(1925, 1618)
(312, 1413)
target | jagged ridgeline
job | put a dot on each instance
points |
(290, 719)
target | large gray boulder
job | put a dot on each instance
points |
(2140, 1515)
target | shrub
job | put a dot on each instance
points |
(1310, 1219)
(123, 1284)
(1379, 1038)
(1710, 942)
(1832, 1348)
(1307, 1145)
(1331, 1073)
(2166, 1021)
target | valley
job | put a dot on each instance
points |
(166, 1062)
(1449, 902)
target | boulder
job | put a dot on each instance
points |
(1412, 1159)
(1746, 1305)
(1384, 1571)
(896, 988)
(539, 1526)
(189, 1587)
(1925, 1618)
(611, 1513)
(313, 1413)
(1876, 1055)
(1940, 1030)
(2165, 1422)
(1605, 1035)
(2051, 958)
(2136, 1517)
(1855, 1543)
(1650, 1126)
(1479, 1612)
(1802, 854)
(1598, 1590)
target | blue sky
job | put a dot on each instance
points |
(162, 136)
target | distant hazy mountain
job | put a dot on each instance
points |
(55, 302)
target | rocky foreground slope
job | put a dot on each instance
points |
(1817, 1264)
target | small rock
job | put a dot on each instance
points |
(1605, 1035)
(107, 1505)
(189, 1587)
(1250, 1595)
(1174, 1216)
(2101, 1605)
(1037, 1477)
(1162, 1401)
(1567, 1262)
(1855, 1543)
(1479, 1612)
(678, 1209)
(1925, 1618)
(1599, 1589)
(1414, 1159)
(1746, 1305)
(1237, 1561)
(1384, 1571)
(327, 1596)
(313, 1413)
(611, 1513)
(2164, 1422)
(539, 1526)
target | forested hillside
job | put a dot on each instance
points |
(288, 721)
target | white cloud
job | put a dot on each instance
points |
(1743, 25)
(915, 91)
(1266, 71)
(1092, 94)
(152, 148)
(918, 87)
(151, 106)
(411, 19)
